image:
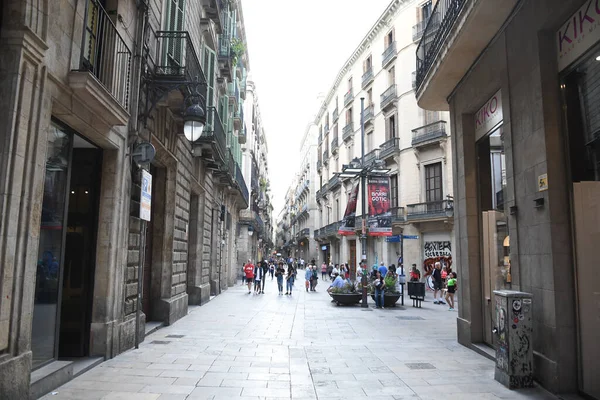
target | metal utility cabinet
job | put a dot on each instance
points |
(514, 328)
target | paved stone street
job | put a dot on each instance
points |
(242, 346)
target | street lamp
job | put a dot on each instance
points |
(449, 206)
(360, 169)
(194, 119)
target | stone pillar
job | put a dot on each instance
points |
(26, 114)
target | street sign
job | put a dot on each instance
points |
(143, 153)
(146, 197)
(408, 237)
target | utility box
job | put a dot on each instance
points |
(514, 330)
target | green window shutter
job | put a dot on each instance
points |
(208, 61)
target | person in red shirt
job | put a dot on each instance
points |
(249, 271)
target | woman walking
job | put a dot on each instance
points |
(379, 290)
(291, 275)
(279, 274)
(323, 271)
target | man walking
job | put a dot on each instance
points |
(436, 277)
(249, 272)
(259, 273)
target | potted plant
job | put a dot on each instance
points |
(390, 294)
(347, 295)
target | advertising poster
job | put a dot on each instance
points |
(349, 221)
(380, 215)
(146, 196)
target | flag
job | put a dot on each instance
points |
(349, 221)
(380, 216)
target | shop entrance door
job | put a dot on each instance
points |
(80, 250)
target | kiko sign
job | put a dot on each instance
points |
(489, 116)
(578, 34)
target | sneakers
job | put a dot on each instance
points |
(248, 292)
(441, 302)
(286, 293)
(451, 309)
(436, 302)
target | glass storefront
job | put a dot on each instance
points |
(51, 248)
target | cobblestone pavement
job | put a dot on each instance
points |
(241, 346)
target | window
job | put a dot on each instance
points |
(174, 46)
(349, 84)
(208, 65)
(337, 209)
(392, 76)
(426, 10)
(394, 191)
(390, 127)
(389, 38)
(369, 97)
(349, 116)
(433, 182)
(335, 130)
(368, 64)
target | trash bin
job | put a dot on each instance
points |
(513, 327)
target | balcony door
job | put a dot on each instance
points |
(173, 52)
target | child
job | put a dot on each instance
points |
(452, 288)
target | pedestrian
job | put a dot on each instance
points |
(258, 275)
(323, 271)
(438, 285)
(314, 278)
(330, 271)
(379, 285)
(338, 282)
(291, 275)
(452, 288)
(307, 278)
(279, 275)
(415, 274)
(335, 271)
(265, 268)
(249, 273)
(272, 270)
(383, 269)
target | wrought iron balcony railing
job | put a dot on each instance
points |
(398, 214)
(348, 131)
(428, 133)
(371, 156)
(334, 182)
(367, 77)
(213, 136)
(326, 156)
(388, 55)
(389, 148)
(241, 183)
(320, 137)
(334, 145)
(428, 210)
(348, 97)
(439, 25)
(388, 97)
(369, 113)
(332, 229)
(335, 114)
(319, 165)
(105, 54)
(176, 57)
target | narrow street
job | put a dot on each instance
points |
(241, 346)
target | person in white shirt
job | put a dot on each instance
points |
(335, 271)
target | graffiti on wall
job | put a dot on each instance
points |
(437, 251)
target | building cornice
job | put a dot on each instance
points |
(383, 22)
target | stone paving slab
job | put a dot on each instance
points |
(300, 347)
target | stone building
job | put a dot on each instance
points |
(85, 85)
(520, 80)
(413, 144)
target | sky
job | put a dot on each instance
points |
(296, 49)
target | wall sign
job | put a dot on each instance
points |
(578, 34)
(489, 116)
(146, 196)
(542, 182)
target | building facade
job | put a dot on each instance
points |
(256, 227)
(520, 81)
(87, 86)
(414, 144)
(303, 215)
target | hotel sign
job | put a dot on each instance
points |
(489, 116)
(578, 34)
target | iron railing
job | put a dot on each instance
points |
(389, 148)
(239, 179)
(305, 232)
(326, 129)
(334, 145)
(214, 132)
(431, 209)
(398, 214)
(224, 49)
(348, 97)
(371, 156)
(367, 77)
(348, 131)
(334, 182)
(388, 96)
(319, 165)
(254, 177)
(414, 80)
(336, 114)
(332, 229)
(326, 156)
(429, 132)
(438, 28)
(176, 57)
(369, 113)
(388, 55)
(104, 53)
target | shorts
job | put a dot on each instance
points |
(437, 285)
(452, 289)
(249, 280)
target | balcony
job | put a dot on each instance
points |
(348, 97)
(348, 131)
(241, 185)
(456, 34)
(233, 91)
(225, 54)
(429, 134)
(242, 134)
(433, 210)
(326, 129)
(335, 115)
(388, 97)
(238, 117)
(369, 114)
(102, 79)
(334, 146)
(326, 157)
(319, 165)
(334, 183)
(212, 144)
(398, 214)
(389, 55)
(371, 156)
(368, 77)
(304, 233)
(414, 80)
(254, 188)
(332, 229)
(252, 217)
(389, 148)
